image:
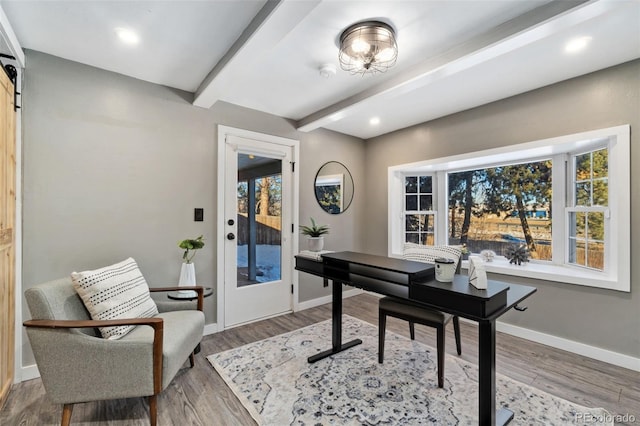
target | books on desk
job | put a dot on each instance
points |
(315, 255)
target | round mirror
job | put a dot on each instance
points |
(334, 187)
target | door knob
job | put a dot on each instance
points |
(230, 236)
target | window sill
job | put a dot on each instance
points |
(550, 272)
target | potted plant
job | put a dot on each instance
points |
(518, 254)
(188, 271)
(316, 234)
(464, 251)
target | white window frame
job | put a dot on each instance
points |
(434, 208)
(616, 275)
(571, 207)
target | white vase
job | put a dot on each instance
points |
(316, 243)
(187, 278)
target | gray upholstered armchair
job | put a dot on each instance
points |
(77, 365)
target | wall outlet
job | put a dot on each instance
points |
(198, 214)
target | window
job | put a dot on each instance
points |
(558, 196)
(587, 213)
(419, 223)
(494, 208)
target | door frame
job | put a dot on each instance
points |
(223, 131)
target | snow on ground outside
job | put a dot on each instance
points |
(268, 261)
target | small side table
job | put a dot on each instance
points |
(192, 295)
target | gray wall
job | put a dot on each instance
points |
(347, 226)
(113, 167)
(602, 318)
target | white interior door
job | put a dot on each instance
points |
(257, 234)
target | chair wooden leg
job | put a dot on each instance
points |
(440, 349)
(67, 409)
(382, 324)
(456, 331)
(192, 359)
(412, 330)
(153, 409)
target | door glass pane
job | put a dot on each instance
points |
(259, 213)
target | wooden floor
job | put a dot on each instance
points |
(200, 397)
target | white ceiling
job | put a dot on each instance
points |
(453, 55)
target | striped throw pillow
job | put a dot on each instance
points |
(115, 292)
(429, 254)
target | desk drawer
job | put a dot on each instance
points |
(459, 302)
(311, 266)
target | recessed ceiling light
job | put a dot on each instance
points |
(577, 44)
(127, 36)
(374, 121)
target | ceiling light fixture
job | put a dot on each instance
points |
(374, 121)
(368, 47)
(127, 36)
(577, 44)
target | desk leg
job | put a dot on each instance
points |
(487, 377)
(336, 327)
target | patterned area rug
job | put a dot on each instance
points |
(278, 387)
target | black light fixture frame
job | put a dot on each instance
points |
(375, 30)
(12, 73)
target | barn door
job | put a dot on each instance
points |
(7, 235)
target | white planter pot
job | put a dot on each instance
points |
(316, 243)
(445, 269)
(187, 278)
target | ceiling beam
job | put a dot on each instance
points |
(520, 31)
(272, 23)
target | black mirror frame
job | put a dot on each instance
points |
(347, 203)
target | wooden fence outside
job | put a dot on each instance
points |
(267, 229)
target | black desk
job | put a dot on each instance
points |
(415, 281)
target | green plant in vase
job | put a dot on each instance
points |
(191, 245)
(188, 270)
(316, 234)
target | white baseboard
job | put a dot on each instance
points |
(210, 329)
(29, 372)
(326, 299)
(604, 355)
